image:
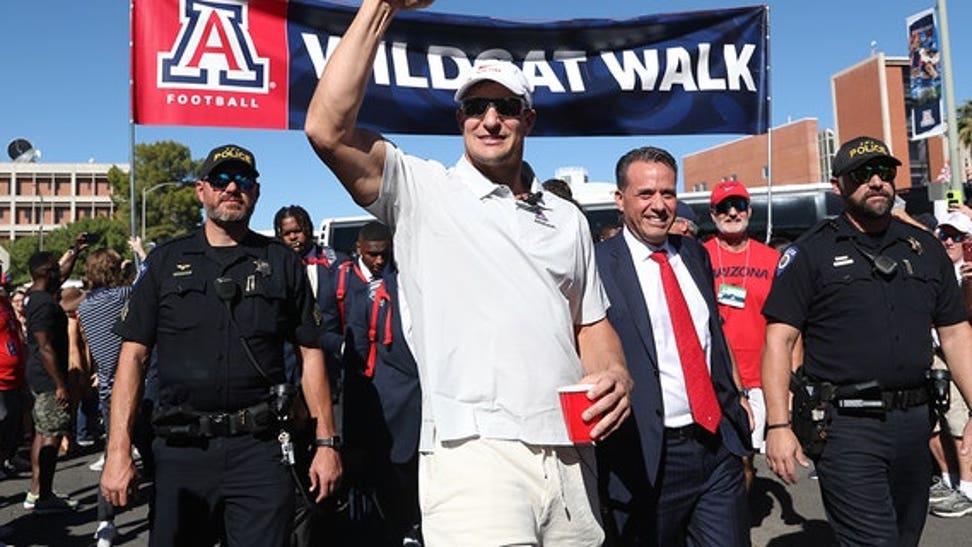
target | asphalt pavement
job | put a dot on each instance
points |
(781, 516)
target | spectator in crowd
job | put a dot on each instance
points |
(87, 418)
(685, 223)
(47, 375)
(742, 269)
(863, 289)
(17, 302)
(504, 303)
(951, 495)
(674, 472)
(107, 296)
(13, 357)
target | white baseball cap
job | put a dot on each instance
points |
(502, 72)
(959, 221)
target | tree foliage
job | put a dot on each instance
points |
(965, 124)
(170, 210)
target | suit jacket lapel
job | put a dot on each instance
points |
(627, 279)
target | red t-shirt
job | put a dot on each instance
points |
(752, 270)
(12, 352)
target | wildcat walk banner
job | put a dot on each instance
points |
(255, 64)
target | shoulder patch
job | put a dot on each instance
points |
(785, 259)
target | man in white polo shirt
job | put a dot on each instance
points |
(501, 301)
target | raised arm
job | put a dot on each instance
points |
(356, 156)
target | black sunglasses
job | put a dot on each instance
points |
(220, 181)
(477, 106)
(955, 237)
(738, 203)
(864, 173)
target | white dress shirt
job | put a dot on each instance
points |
(674, 397)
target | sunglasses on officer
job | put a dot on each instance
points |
(740, 204)
(219, 181)
(477, 106)
(864, 173)
(956, 237)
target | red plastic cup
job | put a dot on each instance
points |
(573, 402)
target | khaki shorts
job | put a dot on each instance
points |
(958, 413)
(50, 419)
(489, 492)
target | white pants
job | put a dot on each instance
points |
(758, 405)
(490, 493)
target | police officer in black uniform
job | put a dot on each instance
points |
(864, 290)
(218, 304)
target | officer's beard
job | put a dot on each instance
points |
(229, 216)
(870, 210)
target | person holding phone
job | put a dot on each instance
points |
(951, 495)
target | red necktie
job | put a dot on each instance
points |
(698, 383)
(381, 294)
(322, 261)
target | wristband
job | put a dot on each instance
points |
(329, 442)
(777, 426)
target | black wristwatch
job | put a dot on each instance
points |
(329, 442)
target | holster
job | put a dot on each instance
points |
(812, 412)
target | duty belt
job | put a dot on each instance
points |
(183, 423)
(859, 397)
(902, 399)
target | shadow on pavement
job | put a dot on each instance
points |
(815, 533)
(761, 503)
(70, 529)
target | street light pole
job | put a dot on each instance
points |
(149, 190)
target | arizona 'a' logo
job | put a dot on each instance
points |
(214, 50)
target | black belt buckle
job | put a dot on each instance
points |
(214, 425)
(691, 431)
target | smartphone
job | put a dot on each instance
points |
(953, 196)
(967, 250)
(92, 237)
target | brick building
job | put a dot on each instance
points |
(796, 159)
(869, 98)
(39, 197)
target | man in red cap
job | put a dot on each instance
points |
(743, 272)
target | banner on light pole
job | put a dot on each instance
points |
(924, 51)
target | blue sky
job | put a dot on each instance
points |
(65, 86)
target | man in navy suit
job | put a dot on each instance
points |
(673, 474)
(394, 389)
